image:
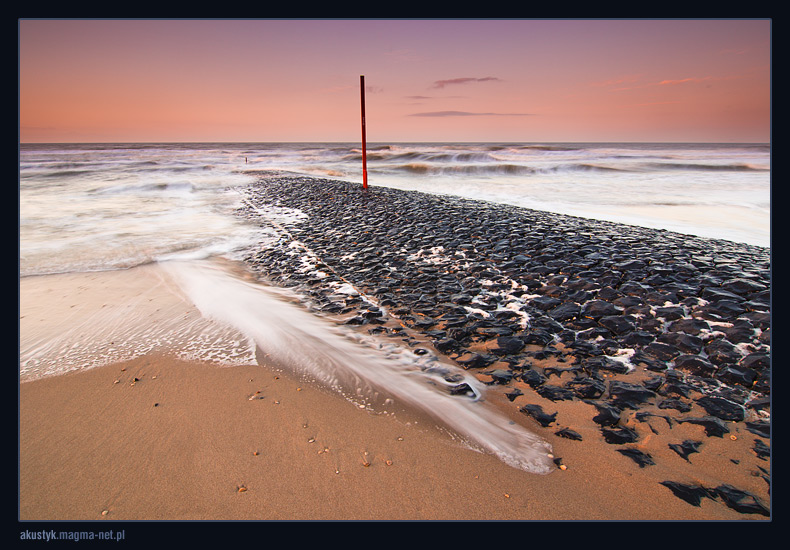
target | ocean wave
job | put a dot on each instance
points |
(730, 167)
(145, 188)
(500, 169)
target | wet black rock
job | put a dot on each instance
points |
(694, 364)
(626, 395)
(693, 494)
(500, 376)
(565, 312)
(722, 408)
(741, 501)
(531, 286)
(598, 309)
(714, 427)
(536, 412)
(676, 404)
(761, 428)
(586, 387)
(513, 394)
(608, 415)
(619, 436)
(555, 393)
(474, 360)
(507, 345)
(533, 378)
(604, 363)
(640, 457)
(686, 448)
(567, 433)
(762, 450)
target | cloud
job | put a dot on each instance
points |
(466, 80)
(620, 85)
(684, 80)
(464, 113)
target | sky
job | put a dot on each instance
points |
(437, 80)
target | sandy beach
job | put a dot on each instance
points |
(160, 438)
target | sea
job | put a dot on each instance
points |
(111, 208)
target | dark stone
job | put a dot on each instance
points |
(722, 408)
(536, 412)
(756, 361)
(740, 333)
(686, 448)
(507, 345)
(694, 364)
(648, 361)
(714, 427)
(693, 494)
(511, 395)
(602, 362)
(598, 308)
(617, 324)
(446, 345)
(567, 433)
(676, 404)
(608, 415)
(539, 337)
(586, 387)
(640, 457)
(555, 393)
(759, 403)
(545, 303)
(565, 312)
(653, 384)
(638, 338)
(761, 428)
(735, 375)
(500, 376)
(741, 501)
(620, 436)
(742, 286)
(629, 395)
(762, 450)
(682, 341)
(661, 351)
(722, 352)
(533, 378)
(474, 360)
(689, 326)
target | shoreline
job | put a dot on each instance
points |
(196, 442)
(179, 446)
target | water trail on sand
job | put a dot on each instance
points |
(356, 365)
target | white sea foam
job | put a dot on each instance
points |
(358, 366)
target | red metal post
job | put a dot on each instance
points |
(364, 151)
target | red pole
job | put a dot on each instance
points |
(364, 152)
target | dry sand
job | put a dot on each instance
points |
(159, 438)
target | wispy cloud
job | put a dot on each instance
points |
(465, 80)
(622, 84)
(464, 113)
(684, 81)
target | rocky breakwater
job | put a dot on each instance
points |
(652, 329)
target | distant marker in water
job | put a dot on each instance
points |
(364, 152)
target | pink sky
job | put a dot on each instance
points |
(427, 80)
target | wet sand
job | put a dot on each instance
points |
(161, 438)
